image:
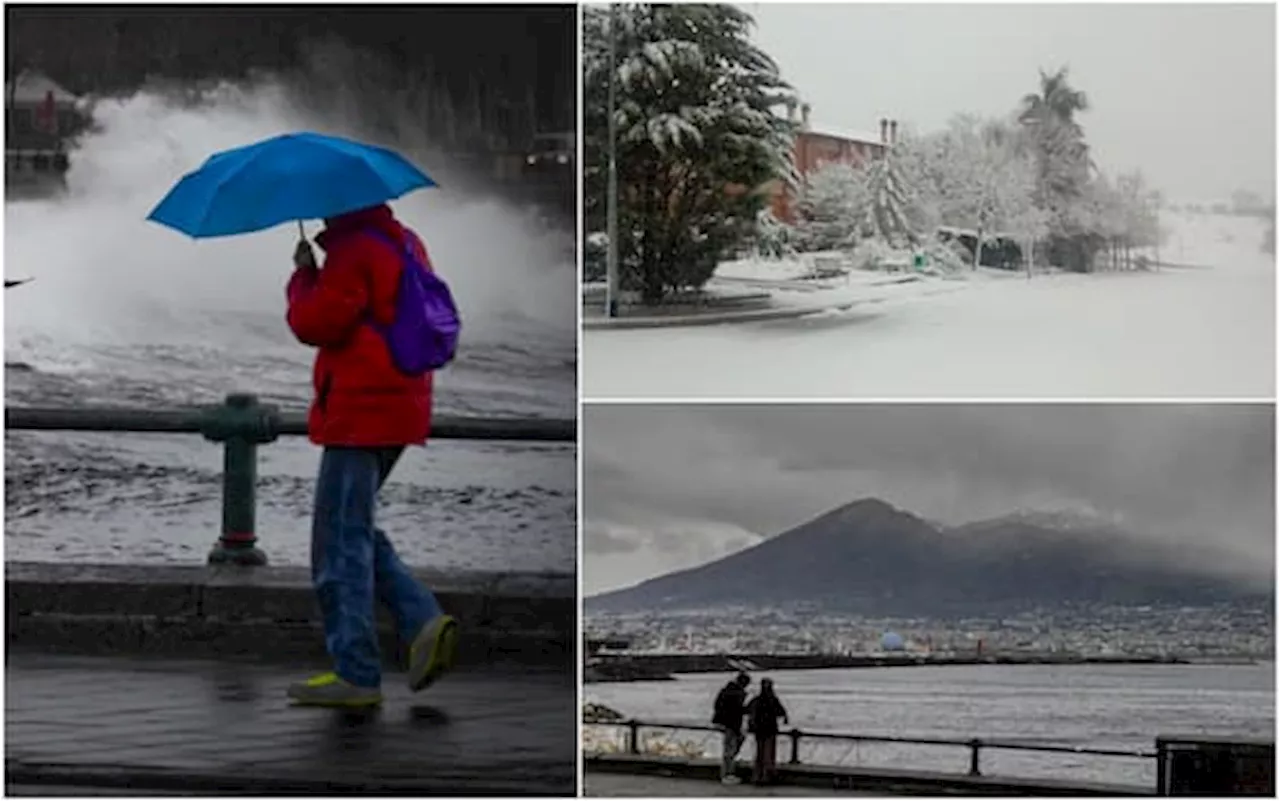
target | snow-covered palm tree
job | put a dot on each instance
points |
(1065, 168)
(1056, 103)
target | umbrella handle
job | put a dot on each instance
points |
(301, 231)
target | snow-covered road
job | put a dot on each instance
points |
(1179, 333)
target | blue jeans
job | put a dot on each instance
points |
(352, 561)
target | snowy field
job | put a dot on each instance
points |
(1206, 329)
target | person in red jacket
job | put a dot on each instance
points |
(365, 412)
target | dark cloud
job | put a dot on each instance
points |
(667, 477)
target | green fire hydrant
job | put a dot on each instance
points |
(241, 424)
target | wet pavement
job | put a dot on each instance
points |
(72, 791)
(201, 726)
(627, 785)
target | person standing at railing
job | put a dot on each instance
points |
(366, 410)
(729, 708)
(762, 720)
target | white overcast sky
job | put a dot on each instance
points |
(1185, 92)
(668, 486)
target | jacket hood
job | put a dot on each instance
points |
(380, 217)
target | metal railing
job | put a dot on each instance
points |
(241, 424)
(36, 160)
(633, 743)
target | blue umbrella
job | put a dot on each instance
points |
(301, 176)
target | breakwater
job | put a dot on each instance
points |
(656, 667)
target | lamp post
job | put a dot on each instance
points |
(611, 199)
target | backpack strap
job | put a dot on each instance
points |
(405, 252)
(405, 249)
(412, 247)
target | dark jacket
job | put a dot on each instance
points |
(730, 704)
(763, 713)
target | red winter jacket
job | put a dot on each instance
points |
(361, 399)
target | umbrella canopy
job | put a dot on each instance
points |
(301, 176)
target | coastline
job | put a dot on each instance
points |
(664, 667)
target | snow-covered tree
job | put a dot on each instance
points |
(774, 238)
(889, 199)
(1101, 212)
(699, 136)
(1048, 120)
(988, 184)
(1029, 225)
(831, 207)
(1122, 214)
(1049, 117)
(1139, 209)
(921, 161)
(892, 214)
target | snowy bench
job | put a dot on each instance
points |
(828, 267)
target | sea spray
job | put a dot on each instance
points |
(107, 277)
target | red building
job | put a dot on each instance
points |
(817, 145)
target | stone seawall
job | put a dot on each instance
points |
(268, 613)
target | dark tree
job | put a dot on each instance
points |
(497, 55)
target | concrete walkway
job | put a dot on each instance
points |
(624, 785)
(200, 726)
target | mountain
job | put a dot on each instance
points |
(870, 558)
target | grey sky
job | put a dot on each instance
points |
(1185, 92)
(668, 487)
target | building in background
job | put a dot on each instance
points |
(40, 117)
(816, 145)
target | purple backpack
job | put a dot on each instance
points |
(424, 334)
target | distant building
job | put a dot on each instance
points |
(892, 641)
(816, 145)
(598, 645)
(39, 113)
(40, 117)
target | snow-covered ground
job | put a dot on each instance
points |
(1206, 330)
(793, 283)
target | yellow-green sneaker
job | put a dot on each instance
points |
(433, 652)
(330, 689)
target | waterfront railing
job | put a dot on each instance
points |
(241, 424)
(844, 750)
